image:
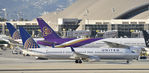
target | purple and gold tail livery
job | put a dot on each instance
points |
(47, 32)
(52, 38)
(13, 32)
(27, 40)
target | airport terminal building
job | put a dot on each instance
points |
(91, 28)
(128, 17)
(124, 27)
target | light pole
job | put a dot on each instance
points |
(5, 13)
(5, 18)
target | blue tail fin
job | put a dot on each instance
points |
(47, 31)
(146, 38)
(27, 40)
(13, 32)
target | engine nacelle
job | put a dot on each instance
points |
(41, 58)
(93, 59)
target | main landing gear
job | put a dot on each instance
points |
(78, 61)
(128, 61)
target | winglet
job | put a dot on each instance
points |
(27, 40)
(13, 32)
(47, 31)
(53, 45)
(72, 49)
(146, 38)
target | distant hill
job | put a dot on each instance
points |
(30, 9)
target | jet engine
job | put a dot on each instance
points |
(41, 58)
(93, 59)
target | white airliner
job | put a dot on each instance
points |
(86, 54)
(4, 42)
(81, 54)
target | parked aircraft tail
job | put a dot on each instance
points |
(146, 38)
(47, 31)
(27, 40)
(13, 32)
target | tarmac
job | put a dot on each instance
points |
(13, 63)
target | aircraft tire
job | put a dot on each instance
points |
(27, 55)
(80, 61)
(127, 61)
(76, 61)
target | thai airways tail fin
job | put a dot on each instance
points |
(146, 38)
(47, 31)
(28, 41)
(13, 32)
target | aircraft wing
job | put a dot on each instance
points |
(13, 41)
(85, 58)
(116, 45)
(79, 56)
(20, 45)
